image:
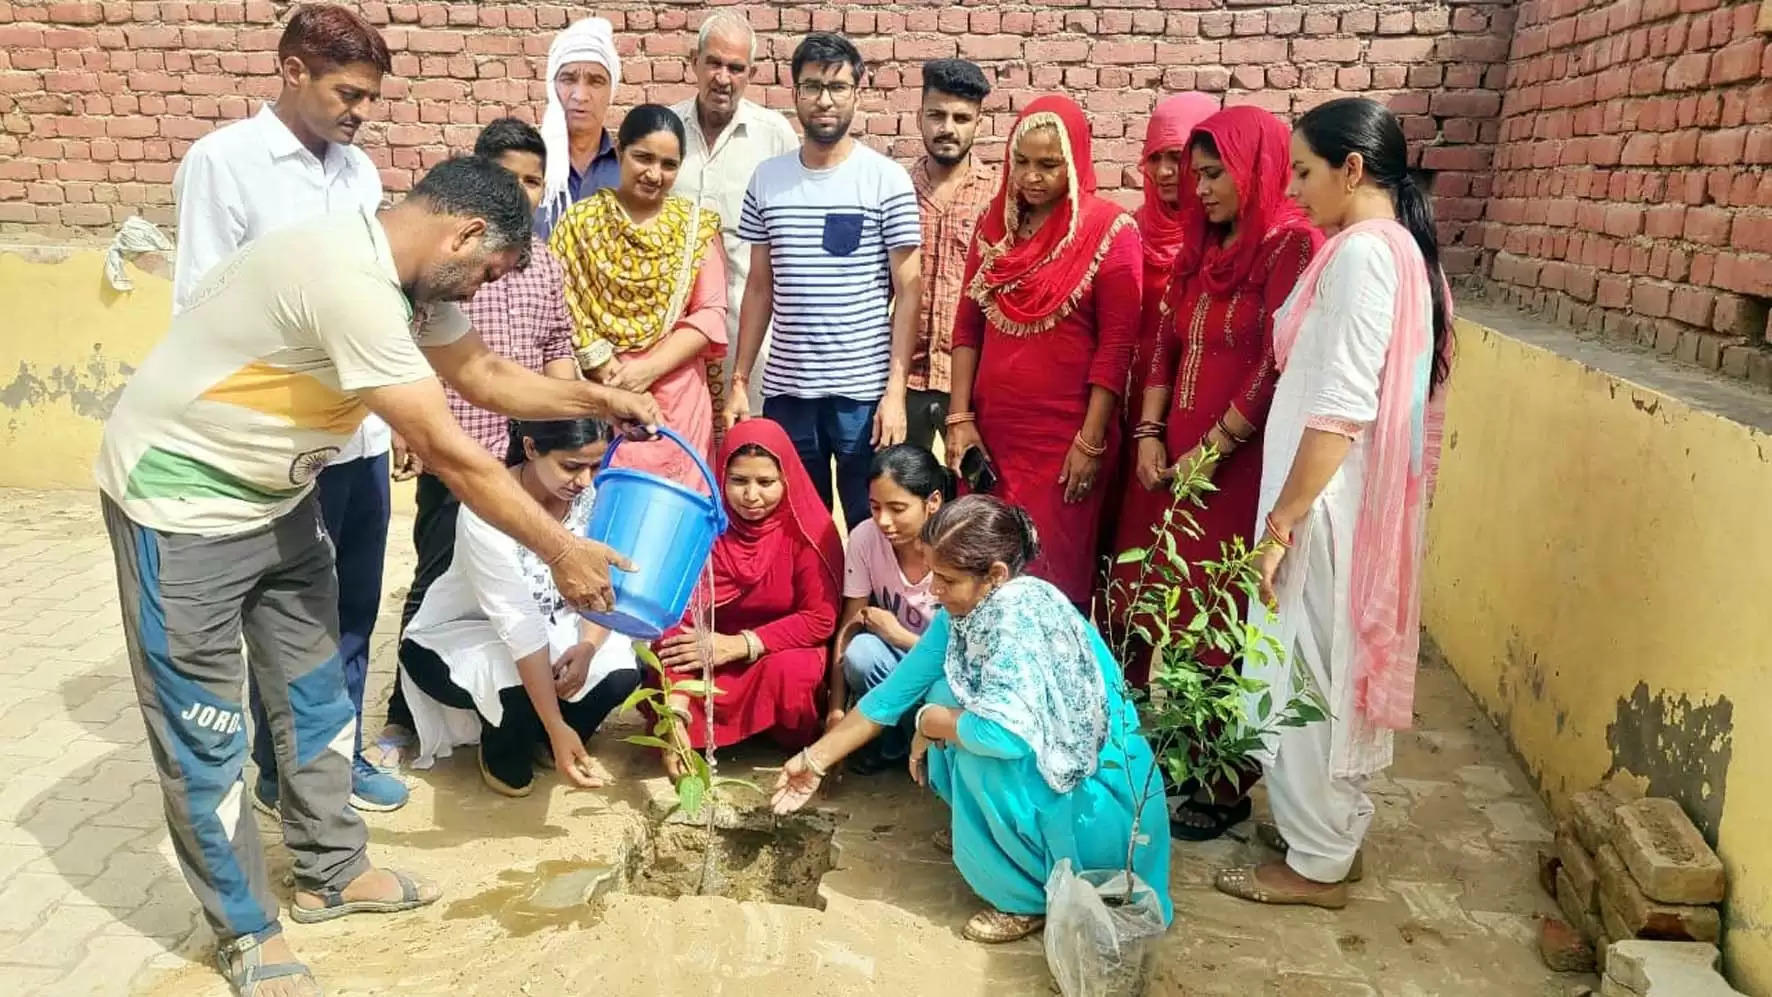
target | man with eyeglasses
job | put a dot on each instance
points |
(834, 233)
(728, 137)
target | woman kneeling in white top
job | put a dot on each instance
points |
(495, 656)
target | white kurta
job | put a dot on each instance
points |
(1316, 773)
(496, 603)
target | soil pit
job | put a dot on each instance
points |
(756, 858)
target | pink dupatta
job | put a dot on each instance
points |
(1403, 458)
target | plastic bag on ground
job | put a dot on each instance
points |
(1097, 945)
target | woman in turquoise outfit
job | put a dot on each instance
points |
(1023, 731)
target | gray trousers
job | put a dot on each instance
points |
(187, 600)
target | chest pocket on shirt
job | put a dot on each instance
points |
(842, 233)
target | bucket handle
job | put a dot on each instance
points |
(707, 473)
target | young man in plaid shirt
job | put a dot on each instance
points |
(521, 315)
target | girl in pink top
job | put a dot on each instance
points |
(886, 599)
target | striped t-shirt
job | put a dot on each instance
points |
(830, 234)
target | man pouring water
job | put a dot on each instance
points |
(207, 472)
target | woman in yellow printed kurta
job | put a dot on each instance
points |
(646, 284)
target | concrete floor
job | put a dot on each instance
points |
(91, 902)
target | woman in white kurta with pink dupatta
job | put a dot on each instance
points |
(1348, 460)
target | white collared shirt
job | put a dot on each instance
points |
(719, 172)
(253, 177)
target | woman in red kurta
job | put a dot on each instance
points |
(1043, 339)
(1212, 369)
(776, 583)
(1161, 227)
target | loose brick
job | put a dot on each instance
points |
(1642, 967)
(1592, 814)
(1665, 853)
(1563, 948)
(1637, 915)
(1578, 866)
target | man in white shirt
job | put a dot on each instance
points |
(291, 163)
(728, 137)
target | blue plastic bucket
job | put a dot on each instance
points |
(666, 529)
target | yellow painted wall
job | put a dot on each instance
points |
(68, 343)
(1600, 574)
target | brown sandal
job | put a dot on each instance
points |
(943, 840)
(993, 927)
(1268, 833)
(1243, 884)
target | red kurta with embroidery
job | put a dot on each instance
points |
(1031, 394)
(1215, 352)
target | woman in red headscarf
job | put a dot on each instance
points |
(1161, 228)
(1211, 376)
(776, 582)
(1044, 338)
(1161, 218)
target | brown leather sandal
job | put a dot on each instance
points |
(993, 927)
(1268, 833)
(1243, 884)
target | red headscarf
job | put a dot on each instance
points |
(747, 550)
(1255, 147)
(1029, 287)
(1160, 225)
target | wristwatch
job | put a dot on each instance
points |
(595, 354)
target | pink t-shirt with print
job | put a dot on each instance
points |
(872, 572)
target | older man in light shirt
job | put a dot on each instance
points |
(728, 137)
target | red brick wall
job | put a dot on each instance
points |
(99, 100)
(1632, 196)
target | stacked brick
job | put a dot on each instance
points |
(1632, 194)
(99, 100)
(1628, 869)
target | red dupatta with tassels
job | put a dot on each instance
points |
(1027, 287)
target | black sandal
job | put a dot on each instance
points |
(1220, 818)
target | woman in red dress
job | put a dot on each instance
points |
(1044, 337)
(776, 583)
(1211, 374)
(1161, 227)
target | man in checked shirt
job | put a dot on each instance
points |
(521, 315)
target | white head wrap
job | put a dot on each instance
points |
(589, 40)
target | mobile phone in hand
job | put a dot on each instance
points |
(977, 471)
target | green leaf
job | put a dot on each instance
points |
(731, 781)
(691, 791)
(1132, 556)
(635, 698)
(649, 742)
(695, 687)
(698, 764)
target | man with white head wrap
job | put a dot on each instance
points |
(583, 71)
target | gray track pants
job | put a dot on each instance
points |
(187, 600)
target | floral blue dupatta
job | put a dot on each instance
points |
(1023, 659)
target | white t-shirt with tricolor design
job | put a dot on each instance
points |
(253, 390)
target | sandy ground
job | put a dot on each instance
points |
(91, 901)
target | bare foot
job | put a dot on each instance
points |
(376, 884)
(274, 950)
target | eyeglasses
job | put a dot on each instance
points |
(814, 89)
